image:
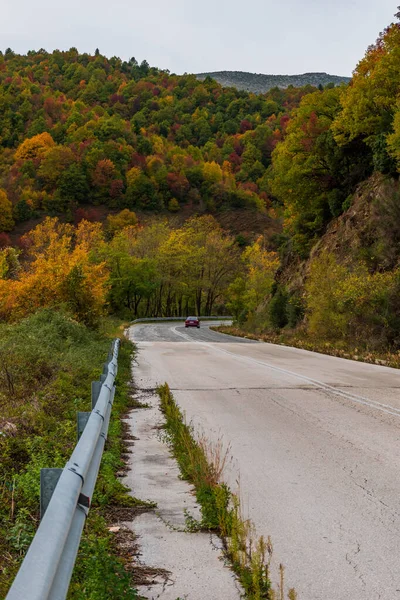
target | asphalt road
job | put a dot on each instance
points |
(316, 440)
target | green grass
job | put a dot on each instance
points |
(47, 362)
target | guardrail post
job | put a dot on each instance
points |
(48, 481)
(96, 387)
(81, 419)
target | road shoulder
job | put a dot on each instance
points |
(189, 564)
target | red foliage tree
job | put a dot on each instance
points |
(104, 172)
(116, 188)
(5, 240)
(235, 160)
(137, 160)
(250, 186)
(178, 185)
(245, 125)
(89, 214)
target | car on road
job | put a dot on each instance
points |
(192, 322)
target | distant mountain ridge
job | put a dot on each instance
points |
(259, 83)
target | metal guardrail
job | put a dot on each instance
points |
(160, 319)
(46, 571)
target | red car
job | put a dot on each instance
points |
(192, 322)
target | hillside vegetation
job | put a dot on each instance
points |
(47, 364)
(258, 83)
(79, 130)
(82, 137)
(336, 177)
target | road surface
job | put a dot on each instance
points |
(316, 440)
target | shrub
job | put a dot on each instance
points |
(278, 308)
(173, 205)
(294, 310)
(5, 240)
(116, 223)
(353, 305)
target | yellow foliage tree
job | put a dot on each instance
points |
(261, 266)
(227, 167)
(212, 172)
(350, 304)
(173, 205)
(58, 271)
(178, 159)
(118, 222)
(9, 262)
(55, 160)
(34, 147)
(45, 235)
(369, 102)
(89, 236)
(158, 144)
(154, 164)
(132, 176)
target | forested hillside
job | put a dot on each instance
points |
(258, 83)
(336, 177)
(78, 129)
(81, 132)
(336, 139)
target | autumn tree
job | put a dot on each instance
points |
(116, 223)
(55, 160)
(58, 271)
(102, 180)
(370, 103)
(213, 256)
(9, 262)
(34, 147)
(133, 280)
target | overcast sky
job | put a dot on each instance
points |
(260, 36)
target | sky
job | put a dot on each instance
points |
(260, 36)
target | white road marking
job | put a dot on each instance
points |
(386, 408)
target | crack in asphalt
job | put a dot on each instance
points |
(235, 388)
(352, 562)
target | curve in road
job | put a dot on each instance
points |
(316, 441)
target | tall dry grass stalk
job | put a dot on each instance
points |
(218, 456)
